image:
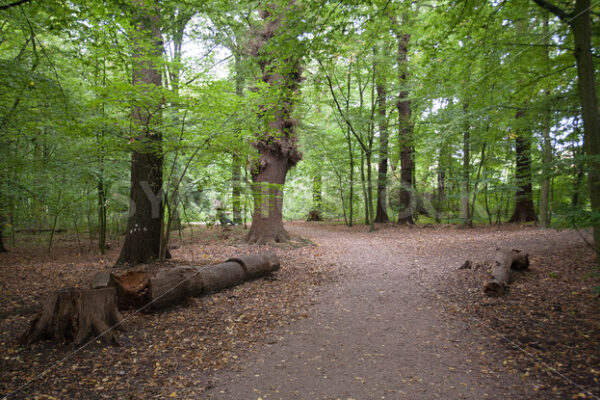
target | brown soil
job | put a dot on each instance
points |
(357, 316)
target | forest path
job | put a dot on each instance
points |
(378, 332)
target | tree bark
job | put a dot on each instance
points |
(2, 248)
(277, 144)
(236, 161)
(466, 168)
(580, 23)
(381, 215)
(524, 208)
(146, 212)
(315, 213)
(76, 315)
(407, 192)
(546, 144)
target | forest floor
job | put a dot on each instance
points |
(351, 315)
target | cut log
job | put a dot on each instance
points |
(132, 288)
(257, 265)
(221, 276)
(75, 315)
(506, 262)
(172, 286)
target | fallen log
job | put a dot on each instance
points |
(257, 265)
(505, 263)
(170, 286)
(74, 315)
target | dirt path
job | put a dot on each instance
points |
(379, 333)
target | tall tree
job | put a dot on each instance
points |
(146, 212)
(524, 208)
(381, 213)
(579, 21)
(277, 142)
(405, 132)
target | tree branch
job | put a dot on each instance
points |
(559, 12)
(11, 5)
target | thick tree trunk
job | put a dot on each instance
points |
(76, 315)
(142, 238)
(580, 23)
(171, 286)
(267, 187)
(524, 208)
(582, 31)
(277, 144)
(381, 213)
(505, 263)
(407, 192)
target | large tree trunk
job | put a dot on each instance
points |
(142, 238)
(580, 23)
(405, 141)
(267, 221)
(76, 315)
(524, 208)
(277, 144)
(381, 213)
(582, 31)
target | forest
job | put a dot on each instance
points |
(142, 137)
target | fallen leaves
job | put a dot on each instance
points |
(168, 354)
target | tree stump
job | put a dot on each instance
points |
(73, 315)
(506, 262)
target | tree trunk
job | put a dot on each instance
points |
(146, 212)
(236, 161)
(405, 215)
(2, 248)
(466, 169)
(381, 213)
(236, 188)
(315, 213)
(546, 145)
(76, 315)
(582, 31)
(363, 181)
(277, 144)
(580, 23)
(524, 208)
(267, 187)
(350, 152)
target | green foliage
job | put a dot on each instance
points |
(67, 97)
